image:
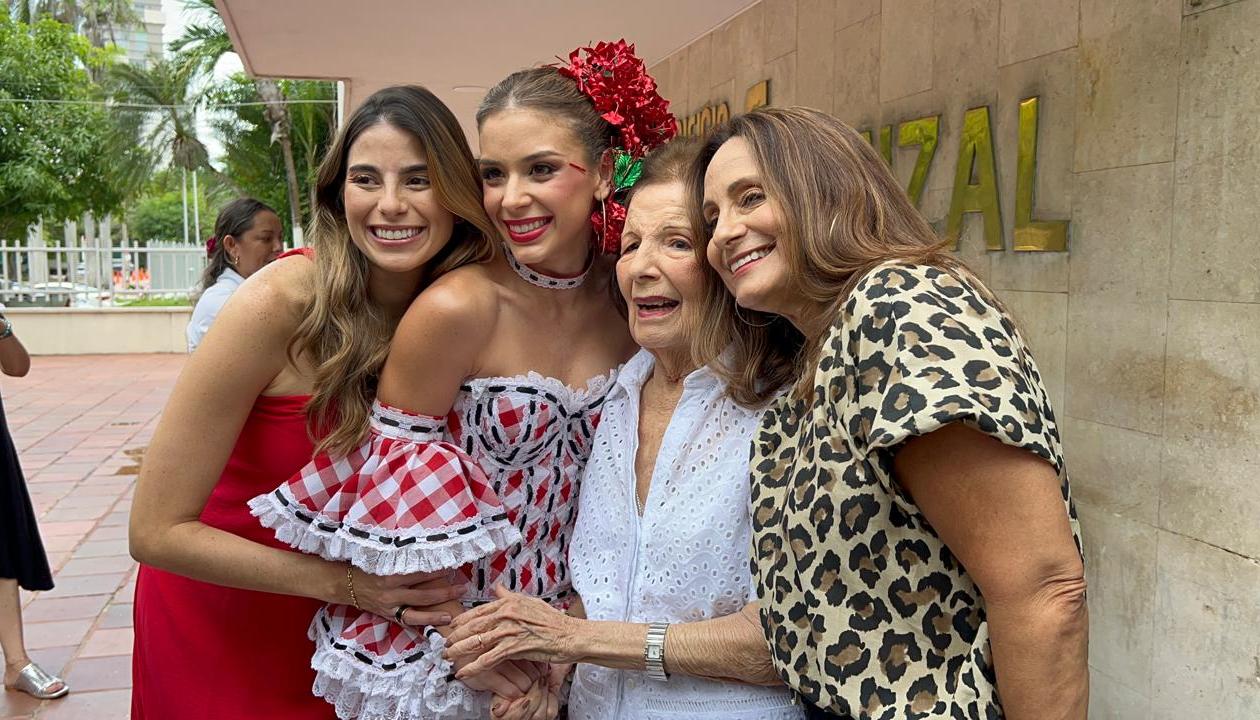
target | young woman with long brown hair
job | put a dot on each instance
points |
(222, 608)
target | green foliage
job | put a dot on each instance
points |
(157, 302)
(161, 217)
(173, 127)
(249, 155)
(158, 213)
(57, 159)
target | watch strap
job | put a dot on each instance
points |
(654, 651)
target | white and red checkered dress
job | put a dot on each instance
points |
(406, 500)
(532, 436)
(492, 489)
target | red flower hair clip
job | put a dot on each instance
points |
(608, 222)
(211, 243)
(624, 94)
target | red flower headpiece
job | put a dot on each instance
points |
(617, 82)
(624, 94)
(211, 242)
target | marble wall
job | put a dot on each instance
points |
(1147, 330)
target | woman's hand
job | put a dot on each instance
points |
(511, 683)
(513, 627)
(543, 700)
(421, 596)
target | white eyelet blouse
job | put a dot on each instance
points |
(685, 560)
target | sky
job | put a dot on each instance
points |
(176, 19)
(175, 22)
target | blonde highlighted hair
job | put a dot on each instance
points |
(841, 214)
(343, 332)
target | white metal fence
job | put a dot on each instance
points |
(37, 275)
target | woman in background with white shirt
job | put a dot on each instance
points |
(660, 553)
(247, 236)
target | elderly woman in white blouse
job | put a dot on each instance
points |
(660, 555)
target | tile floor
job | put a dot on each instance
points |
(80, 424)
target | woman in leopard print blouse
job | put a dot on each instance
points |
(916, 551)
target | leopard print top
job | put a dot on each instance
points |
(867, 613)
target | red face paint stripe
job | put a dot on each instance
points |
(577, 167)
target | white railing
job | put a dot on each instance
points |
(35, 275)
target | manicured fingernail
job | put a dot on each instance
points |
(497, 709)
(444, 620)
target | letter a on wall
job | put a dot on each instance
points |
(975, 156)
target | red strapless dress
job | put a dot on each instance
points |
(207, 652)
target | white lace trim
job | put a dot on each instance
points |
(419, 555)
(420, 690)
(594, 387)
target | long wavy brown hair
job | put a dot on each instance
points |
(841, 214)
(343, 332)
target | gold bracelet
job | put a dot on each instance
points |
(350, 585)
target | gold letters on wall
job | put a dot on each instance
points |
(1030, 234)
(975, 175)
(975, 155)
(976, 160)
(700, 122)
(757, 96)
(923, 133)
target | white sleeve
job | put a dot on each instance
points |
(203, 315)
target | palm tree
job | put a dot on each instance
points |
(201, 45)
(103, 17)
(172, 130)
(27, 11)
(96, 19)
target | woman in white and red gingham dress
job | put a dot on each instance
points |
(491, 489)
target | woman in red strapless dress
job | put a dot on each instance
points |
(222, 608)
(205, 650)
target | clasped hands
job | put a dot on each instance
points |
(514, 629)
(513, 647)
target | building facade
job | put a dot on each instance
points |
(143, 41)
(1097, 161)
(1136, 276)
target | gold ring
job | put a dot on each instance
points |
(480, 643)
(399, 613)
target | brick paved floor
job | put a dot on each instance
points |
(80, 424)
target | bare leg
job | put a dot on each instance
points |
(11, 640)
(15, 657)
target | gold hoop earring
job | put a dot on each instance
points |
(744, 320)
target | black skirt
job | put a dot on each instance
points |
(21, 551)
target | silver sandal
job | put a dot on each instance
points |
(34, 681)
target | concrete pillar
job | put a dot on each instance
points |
(65, 259)
(36, 259)
(105, 253)
(83, 258)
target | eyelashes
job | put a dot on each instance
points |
(537, 171)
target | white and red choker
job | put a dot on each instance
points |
(533, 277)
